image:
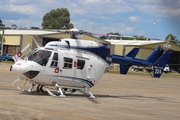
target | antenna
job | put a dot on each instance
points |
(166, 46)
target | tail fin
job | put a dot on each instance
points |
(161, 62)
(154, 55)
(133, 52)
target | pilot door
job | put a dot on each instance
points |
(53, 65)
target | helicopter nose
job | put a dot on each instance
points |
(25, 69)
(18, 68)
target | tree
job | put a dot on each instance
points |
(14, 26)
(111, 33)
(173, 39)
(120, 36)
(57, 19)
(1, 24)
(70, 26)
(34, 27)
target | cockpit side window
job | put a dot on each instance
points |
(54, 62)
(41, 57)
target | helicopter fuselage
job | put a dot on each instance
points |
(67, 65)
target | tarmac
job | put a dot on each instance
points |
(119, 97)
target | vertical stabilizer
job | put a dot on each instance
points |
(154, 55)
(161, 62)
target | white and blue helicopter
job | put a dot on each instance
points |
(72, 64)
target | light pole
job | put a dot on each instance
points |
(21, 23)
(154, 30)
(2, 40)
(2, 28)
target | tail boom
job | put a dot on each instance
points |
(158, 59)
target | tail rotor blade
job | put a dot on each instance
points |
(19, 54)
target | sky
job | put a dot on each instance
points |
(148, 18)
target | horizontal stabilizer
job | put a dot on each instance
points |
(154, 55)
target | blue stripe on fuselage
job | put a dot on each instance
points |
(75, 79)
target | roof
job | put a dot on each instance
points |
(3, 28)
(133, 42)
(27, 32)
(42, 32)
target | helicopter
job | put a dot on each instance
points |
(70, 64)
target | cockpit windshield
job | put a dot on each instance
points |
(41, 57)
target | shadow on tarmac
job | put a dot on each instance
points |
(95, 100)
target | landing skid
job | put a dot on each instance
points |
(90, 93)
(50, 93)
(30, 90)
(14, 83)
(59, 90)
(20, 88)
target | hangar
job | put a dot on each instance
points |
(17, 39)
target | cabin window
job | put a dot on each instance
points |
(80, 64)
(54, 62)
(68, 63)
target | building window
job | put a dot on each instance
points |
(68, 63)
